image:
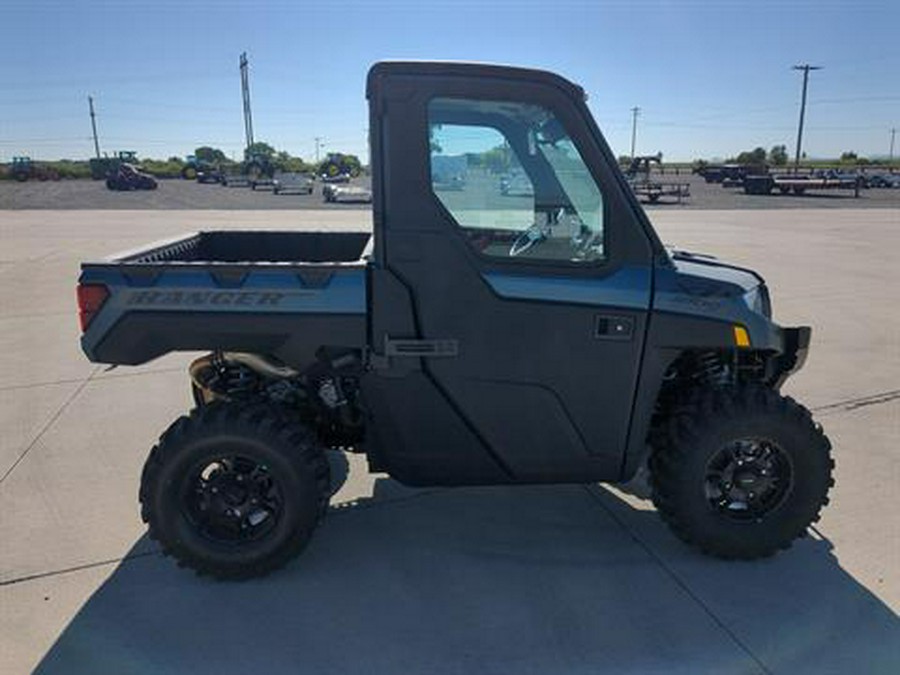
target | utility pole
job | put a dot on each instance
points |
(635, 111)
(319, 144)
(891, 154)
(94, 126)
(245, 92)
(805, 68)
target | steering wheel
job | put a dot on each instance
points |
(533, 235)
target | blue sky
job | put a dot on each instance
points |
(711, 78)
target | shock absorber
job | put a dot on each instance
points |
(711, 369)
(216, 376)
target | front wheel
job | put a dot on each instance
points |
(233, 491)
(740, 473)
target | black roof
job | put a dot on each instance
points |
(462, 69)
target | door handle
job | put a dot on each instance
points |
(421, 348)
(610, 327)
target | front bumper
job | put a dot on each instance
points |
(793, 356)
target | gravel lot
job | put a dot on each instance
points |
(171, 194)
(713, 196)
(179, 194)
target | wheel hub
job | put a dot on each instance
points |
(748, 478)
(233, 499)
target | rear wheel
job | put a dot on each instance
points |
(740, 473)
(234, 492)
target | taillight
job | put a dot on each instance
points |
(90, 299)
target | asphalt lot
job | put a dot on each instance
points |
(567, 579)
(180, 195)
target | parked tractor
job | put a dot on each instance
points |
(201, 170)
(336, 165)
(22, 169)
(257, 167)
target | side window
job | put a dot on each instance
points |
(514, 181)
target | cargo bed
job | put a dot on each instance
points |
(281, 293)
(252, 246)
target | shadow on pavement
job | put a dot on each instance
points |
(487, 580)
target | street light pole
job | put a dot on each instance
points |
(805, 68)
(891, 154)
(319, 145)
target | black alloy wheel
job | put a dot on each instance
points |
(232, 500)
(748, 479)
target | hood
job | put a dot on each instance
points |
(700, 284)
(700, 274)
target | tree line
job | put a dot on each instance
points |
(778, 156)
(172, 167)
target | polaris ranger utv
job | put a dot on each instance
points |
(476, 338)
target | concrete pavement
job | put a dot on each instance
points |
(550, 579)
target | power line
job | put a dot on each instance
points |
(195, 106)
(67, 139)
(854, 99)
(181, 77)
(737, 126)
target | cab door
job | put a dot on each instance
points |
(512, 281)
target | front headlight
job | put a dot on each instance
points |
(757, 299)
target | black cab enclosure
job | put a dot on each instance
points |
(543, 321)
